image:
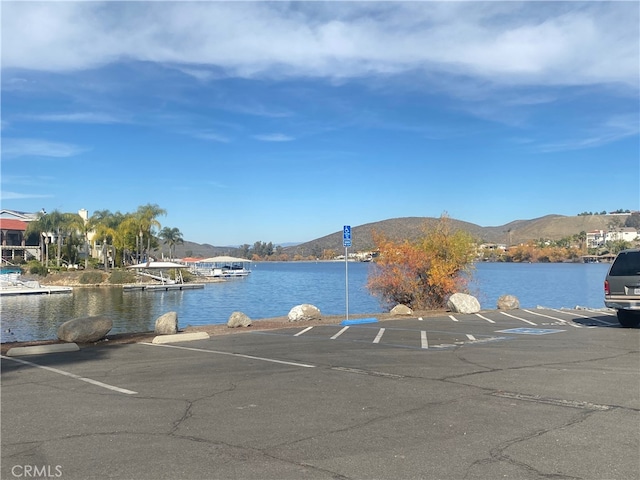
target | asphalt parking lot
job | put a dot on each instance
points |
(524, 394)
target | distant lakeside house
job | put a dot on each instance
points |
(15, 245)
(599, 238)
(594, 238)
(13, 242)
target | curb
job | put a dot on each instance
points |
(359, 321)
(40, 349)
(181, 337)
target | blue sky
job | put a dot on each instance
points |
(284, 121)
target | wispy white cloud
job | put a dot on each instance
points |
(76, 117)
(274, 137)
(217, 185)
(14, 83)
(258, 110)
(26, 180)
(5, 195)
(543, 43)
(209, 136)
(33, 147)
(202, 74)
(611, 130)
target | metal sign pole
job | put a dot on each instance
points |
(346, 280)
(346, 242)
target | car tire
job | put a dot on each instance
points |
(628, 319)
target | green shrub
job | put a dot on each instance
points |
(187, 276)
(120, 277)
(90, 277)
(34, 267)
(95, 263)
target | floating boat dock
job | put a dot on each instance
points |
(10, 284)
(156, 271)
(161, 287)
(41, 290)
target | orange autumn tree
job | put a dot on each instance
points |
(423, 274)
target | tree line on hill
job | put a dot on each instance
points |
(604, 212)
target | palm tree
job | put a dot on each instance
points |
(146, 216)
(129, 237)
(171, 236)
(43, 226)
(582, 237)
(55, 224)
(104, 232)
(85, 227)
(104, 225)
(71, 225)
(55, 221)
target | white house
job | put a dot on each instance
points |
(627, 234)
(598, 238)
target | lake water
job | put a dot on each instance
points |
(273, 288)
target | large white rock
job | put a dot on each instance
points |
(401, 310)
(85, 329)
(167, 324)
(508, 302)
(238, 319)
(304, 312)
(463, 303)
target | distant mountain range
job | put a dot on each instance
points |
(553, 227)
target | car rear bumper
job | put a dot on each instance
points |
(622, 303)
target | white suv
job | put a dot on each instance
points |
(622, 287)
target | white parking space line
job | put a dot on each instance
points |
(570, 313)
(423, 339)
(303, 331)
(485, 318)
(599, 312)
(593, 319)
(340, 332)
(379, 336)
(564, 322)
(453, 318)
(603, 322)
(517, 318)
(471, 337)
(72, 375)
(252, 357)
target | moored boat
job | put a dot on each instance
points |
(221, 267)
(10, 284)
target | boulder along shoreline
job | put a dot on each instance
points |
(272, 323)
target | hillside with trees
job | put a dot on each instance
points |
(549, 227)
(122, 239)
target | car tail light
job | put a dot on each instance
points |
(607, 291)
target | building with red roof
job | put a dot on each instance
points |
(13, 241)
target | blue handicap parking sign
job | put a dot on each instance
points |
(346, 236)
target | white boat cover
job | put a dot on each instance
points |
(158, 265)
(224, 259)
